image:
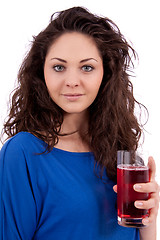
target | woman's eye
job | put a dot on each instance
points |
(87, 68)
(58, 68)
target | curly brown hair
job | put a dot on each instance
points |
(112, 121)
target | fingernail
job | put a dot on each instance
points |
(140, 204)
(145, 221)
(137, 187)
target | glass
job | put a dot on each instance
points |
(131, 169)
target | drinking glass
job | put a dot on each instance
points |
(131, 169)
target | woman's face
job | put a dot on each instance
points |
(73, 72)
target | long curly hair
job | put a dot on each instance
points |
(112, 121)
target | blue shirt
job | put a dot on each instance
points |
(55, 196)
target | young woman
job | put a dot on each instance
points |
(73, 109)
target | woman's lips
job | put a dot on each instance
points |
(72, 97)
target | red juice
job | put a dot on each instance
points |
(127, 176)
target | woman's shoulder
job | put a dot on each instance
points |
(21, 138)
(19, 153)
(20, 143)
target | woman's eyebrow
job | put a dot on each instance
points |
(59, 59)
(84, 60)
(88, 59)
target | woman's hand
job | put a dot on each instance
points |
(152, 204)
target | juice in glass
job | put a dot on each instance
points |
(127, 176)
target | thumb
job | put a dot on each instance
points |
(115, 188)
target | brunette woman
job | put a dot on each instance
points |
(72, 110)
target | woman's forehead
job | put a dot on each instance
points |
(75, 45)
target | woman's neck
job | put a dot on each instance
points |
(74, 123)
(73, 128)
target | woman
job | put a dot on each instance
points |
(72, 111)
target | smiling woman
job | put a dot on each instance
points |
(73, 80)
(71, 112)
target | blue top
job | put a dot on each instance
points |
(54, 196)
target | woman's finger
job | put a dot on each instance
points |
(149, 187)
(151, 218)
(115, 188)
(145, 204)
(152, 168)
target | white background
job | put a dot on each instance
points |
(138, 20)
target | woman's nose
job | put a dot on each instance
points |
(72, 79)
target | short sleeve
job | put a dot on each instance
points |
(17, 201)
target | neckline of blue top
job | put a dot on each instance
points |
(61, 151)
